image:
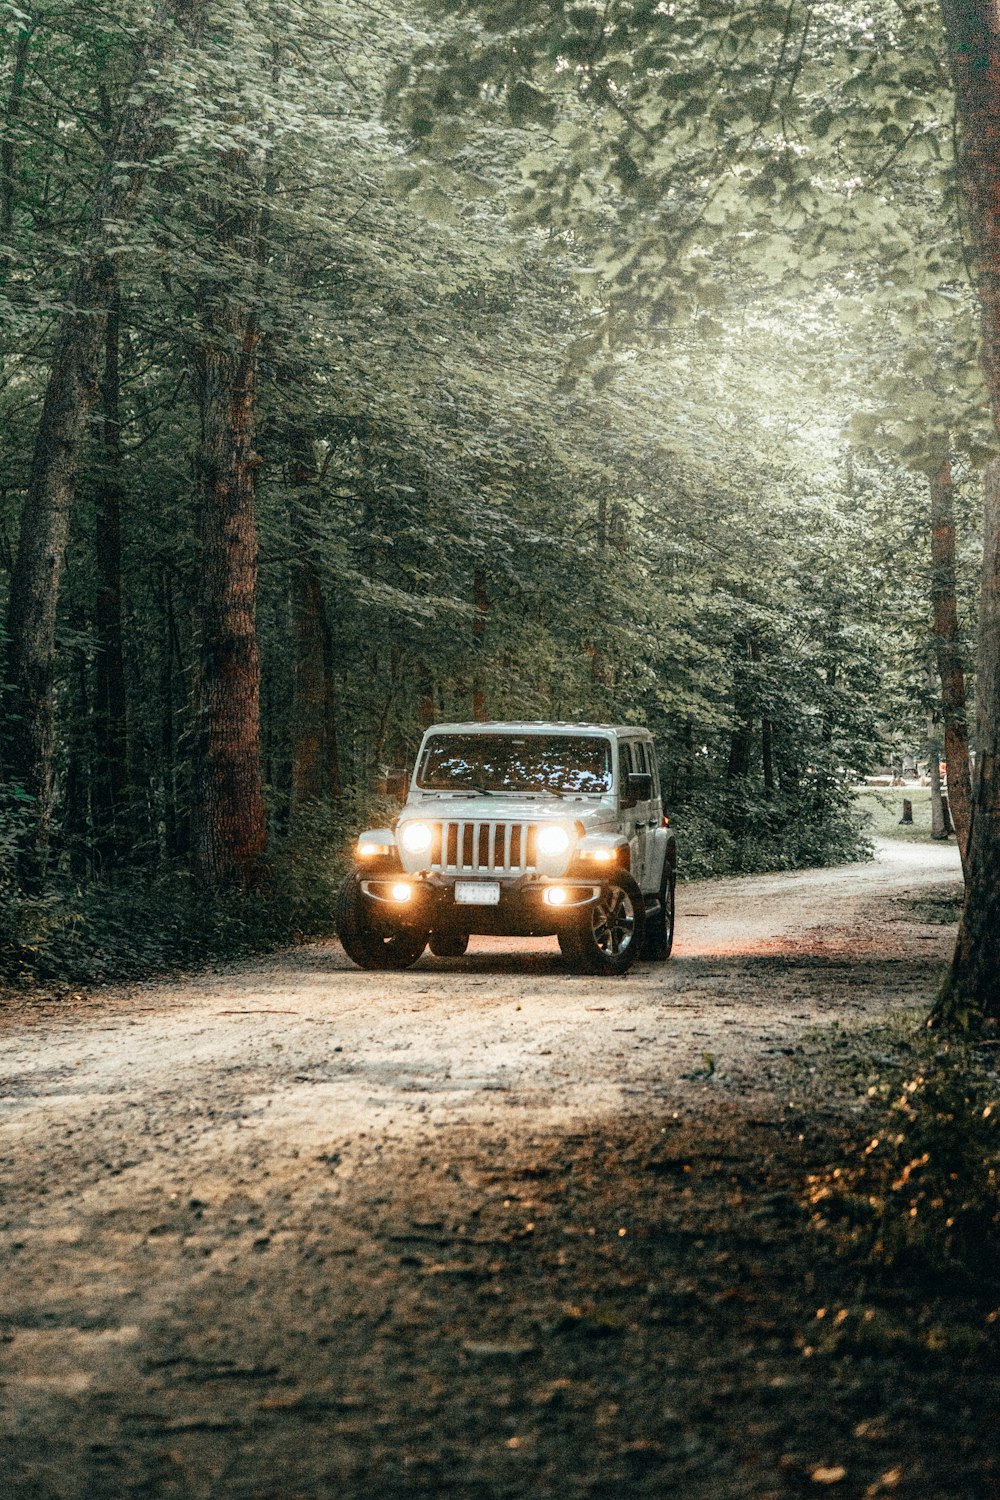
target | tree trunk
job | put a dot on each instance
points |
(744, 688)
(949, 653)
(309, 700)
(972, 988)
(110, 790)
(69, 398)
(767, 754)
(231, 833)
(315, 757)
(938, 830)
(481, 600)
(11, 116)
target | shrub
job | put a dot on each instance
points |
(923, 1192)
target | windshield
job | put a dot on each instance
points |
(516, 763)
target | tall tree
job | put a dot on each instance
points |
(70, 394)
(110, 757)
(232, 828)
(972, 988)
(948, 651)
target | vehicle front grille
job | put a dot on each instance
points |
(483, 848)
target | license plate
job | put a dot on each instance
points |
(477, 892)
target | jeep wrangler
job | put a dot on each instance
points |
(525, 830)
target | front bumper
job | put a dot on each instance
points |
(522, 910)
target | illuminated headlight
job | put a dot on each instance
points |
(555, 896)
(368, 850)
(416, 837)
(401, 891)
(553, 840)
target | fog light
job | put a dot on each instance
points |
(401, 891)
(555, 896)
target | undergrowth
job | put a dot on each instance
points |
(144, 922)
(736, 831)
(922, 1192)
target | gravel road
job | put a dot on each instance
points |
(259, 1226)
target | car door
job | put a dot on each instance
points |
(656, 834)
(636, 819)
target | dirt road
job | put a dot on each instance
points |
(293, 1229)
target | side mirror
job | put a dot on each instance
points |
(397, 785)
(638, 788)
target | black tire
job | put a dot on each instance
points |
(449, 944)
(658, 931)
(608, 938)
(364, 945)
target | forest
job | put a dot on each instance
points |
(366, 365)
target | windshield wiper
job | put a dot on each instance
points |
(460, 791)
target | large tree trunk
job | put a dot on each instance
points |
(972, 988)
(12, 114)
(69, 399)
(767, 754)
(231, 832)
(973, 29)
(481, 603)
(949, 654)
(110, 790)
(315, 757)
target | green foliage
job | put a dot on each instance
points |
(923, 1192)
(737, 830)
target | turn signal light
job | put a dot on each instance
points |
(368, 850)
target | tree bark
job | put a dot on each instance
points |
(11, 116)
(481, 601)
(972, 989)
(231, 832)
(70, 394)
(110, 790)
(231, 825)
(949, 654)
(938, 830)
(315, 756)
(767, 753)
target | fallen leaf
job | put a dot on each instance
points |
(829, 1475)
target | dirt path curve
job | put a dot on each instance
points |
(193, 1169)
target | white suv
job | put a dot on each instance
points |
(525, 830)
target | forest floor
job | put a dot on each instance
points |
(485, 1228)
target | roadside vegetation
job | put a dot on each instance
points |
(918, 1192)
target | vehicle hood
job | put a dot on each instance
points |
(592, 814)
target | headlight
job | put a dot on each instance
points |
(553, 839)
(416, 837)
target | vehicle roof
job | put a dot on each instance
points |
(536, 726)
